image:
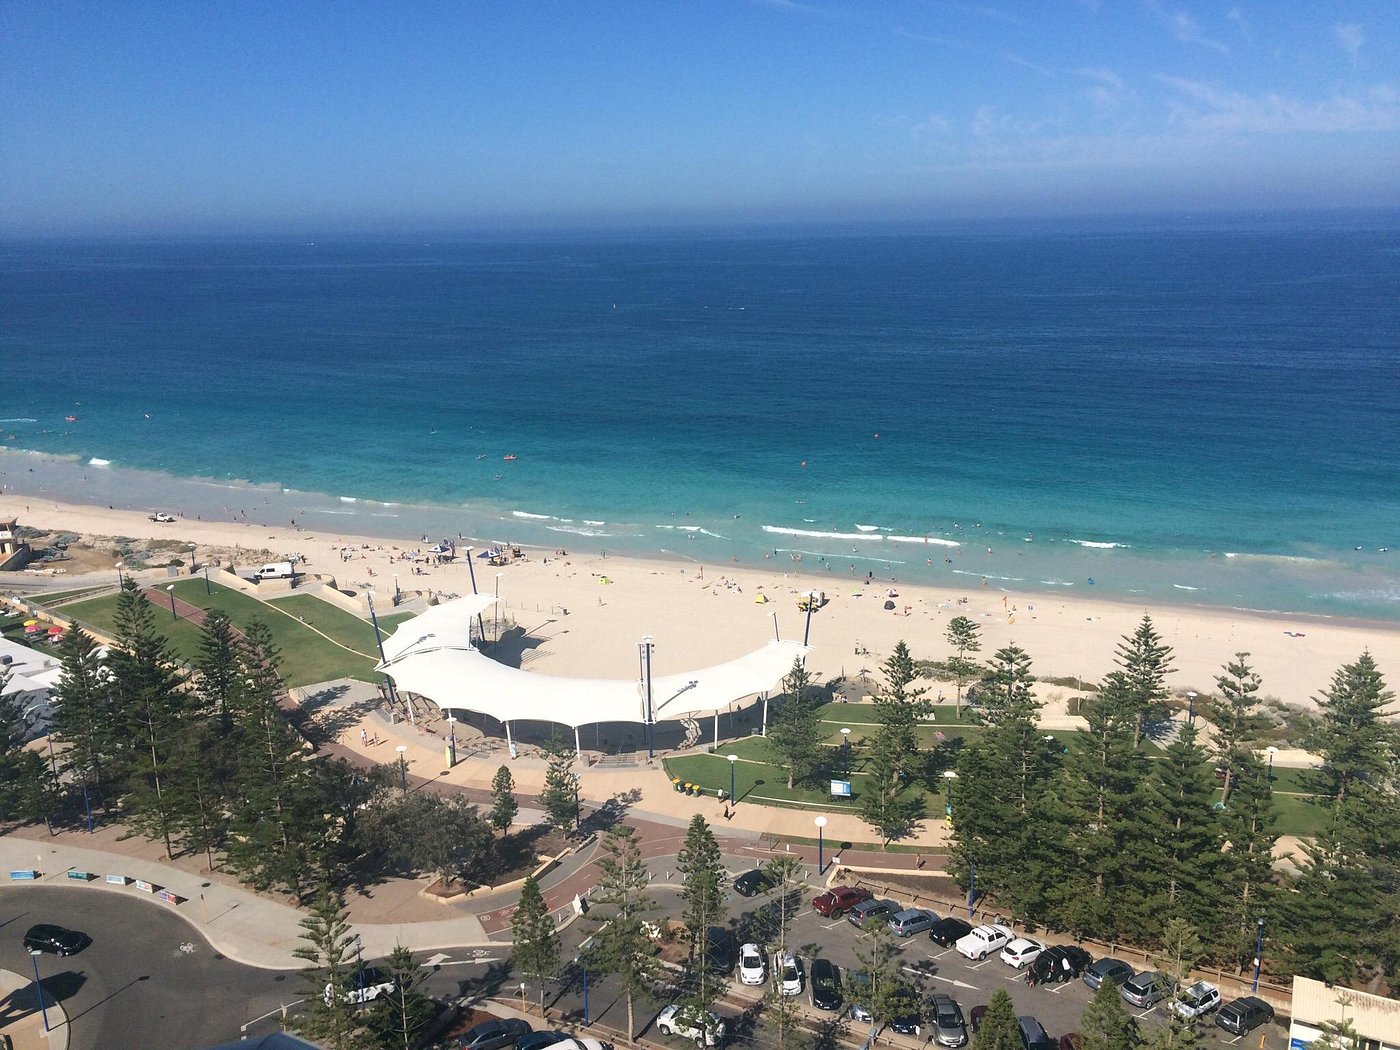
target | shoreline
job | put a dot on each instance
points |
(588, 610)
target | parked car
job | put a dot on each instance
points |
(363, 986)
(1071, 1041)
(753, 967)
(949, 1028)
(838, 900)
(975, 1017)
(787, 970)
(1034, 1036)
(1115, 971)
(947, 931)
(1146, 989)
(56, 939)
(719, 951)
(752, 883)
(1021, 951)
(540, 1040)
(581, 1042)
(162, 517)
(871, 911)
(824, 984)
(496, 1034)
(907, 1013)
(982, 941)
(910, 921)
(1241, 1016)
(706, 1030)
(1196, 1000)
(1058, 963)
(857, 988)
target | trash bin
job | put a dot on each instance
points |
(676, 783)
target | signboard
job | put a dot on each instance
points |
(23, 876)
(168, 897)
(81, 876)
(840, 789)
(145, 887)
(116, 880)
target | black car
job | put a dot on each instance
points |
(719, 951)
(908, 1013)
(493, 1035)
(1241, 1016)
(539, 1040)
(1115, 971)
(824, 982)
(947, 931)
(1034, 1036)
(56, 939)
(1058, 964)
(752, 883)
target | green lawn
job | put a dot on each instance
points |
(306, 656)
(346, 628)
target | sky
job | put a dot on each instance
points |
(140, 117)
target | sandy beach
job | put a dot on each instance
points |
(589, 610)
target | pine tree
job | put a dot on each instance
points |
(198, 815)
(1247, 873)
(536, 940)
(216, 666)
(443, 836)
(702, 889)
(1006, 693)
(621, 947)
(398, 1017)
(898, 708)
(1146, 661)
(774, 928)
(504, 807)
(28, 788)
(1356, 742)
(1236, 720)
(891, 816)
(560, 797)
(963, 636)
(83, 717)
(1181, 949)
(1000, 1030)
(329, 976)
(886, 994)
(1106, 1025)
(795, 734)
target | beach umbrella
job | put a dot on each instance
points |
(55, 629)
(30, 623)
(32, 628)
(761, 599)
(889, 604)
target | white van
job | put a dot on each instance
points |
(276, 570)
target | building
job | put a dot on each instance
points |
(14, 552)
(1374, 1018)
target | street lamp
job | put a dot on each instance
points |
(119, 575)
(496, 608)
(451, 741)
(949, 775)
(206, 579)
(807, 627)
(1272, 751)
(644, 648)
(776, 636)
(403, 766)
(846, 750)
(360, 966)
(397, 596)
(171, 591)
(1191, 706)
(471, 569)
(820, 822)
(192, 567)
(1258, 952)
(34, 954)
(732, 760)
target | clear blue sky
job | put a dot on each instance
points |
(185, 116)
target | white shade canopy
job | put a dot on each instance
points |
(435, 659)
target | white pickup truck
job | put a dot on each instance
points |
(1196, 1000)
(982, 941)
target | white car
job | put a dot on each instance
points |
(787, 969)
(689, 1023)
(163, 517)
(982, 941)
(363, 986)
(753, 967)
(1196, 1001)
(1021, 951)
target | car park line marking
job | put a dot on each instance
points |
(1150, 1009)
(833, 925)
(941, 954)
(978, 966)
(1232, 1042)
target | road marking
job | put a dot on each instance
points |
(435, 960)
(833, 925)
(1232, 1042)
(978, 966)
(1150, 1009)
(942, 954)
(469, 962)
(187, 947)
(954, 983)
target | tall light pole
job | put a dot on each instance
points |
(732, 759)
(397, 595)
(644, 648)
(119, 575)
(496, 609)
(949, 775)
(820, 822)
(1258, 952)
(206, 579)
(34, 954)
(192, 565)
(171, 591)
(846, 750)
(807, 628)
(1191, 706)
(379, 641)
(403, 766)
(1272, 751)
(471, 570)
(451, 741)
(776, 636)
(360, 966)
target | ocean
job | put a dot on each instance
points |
(1196, 411)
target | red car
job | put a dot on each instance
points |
(835, 902)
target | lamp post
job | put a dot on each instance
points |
(1191, 706)
(776, 637)
(170, 590)
(1272, 751)
(971, 885)
(192, 565)
(206, 579)
(732, 759)
(471, 569)
(846, 750)
(807, 627)
(1258, 952)
(34, 954)
(949, 775)
(360, 967)
(403, 766)
(398, 596)
(496, 608)
(644, 648)
(451, 741)
(820, 822)
(119, 575)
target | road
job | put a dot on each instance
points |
(148, 979)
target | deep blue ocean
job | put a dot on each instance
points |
(1203, 412)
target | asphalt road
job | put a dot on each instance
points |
(148, 979)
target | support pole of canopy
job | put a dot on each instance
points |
(807, 628)
(480, 626)
(717, 727)
(510, 744)
(577, 746)
(379, 640)
(765, 713)
(645, 645)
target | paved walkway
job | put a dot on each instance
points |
(22, 1020)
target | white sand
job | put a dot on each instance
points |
(699, 621)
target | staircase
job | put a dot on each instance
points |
(692, 732)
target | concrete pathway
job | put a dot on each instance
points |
(22, 1020)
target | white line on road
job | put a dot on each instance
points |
(949, 980)
(833, 925)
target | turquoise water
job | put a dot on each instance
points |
(1203, 415)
